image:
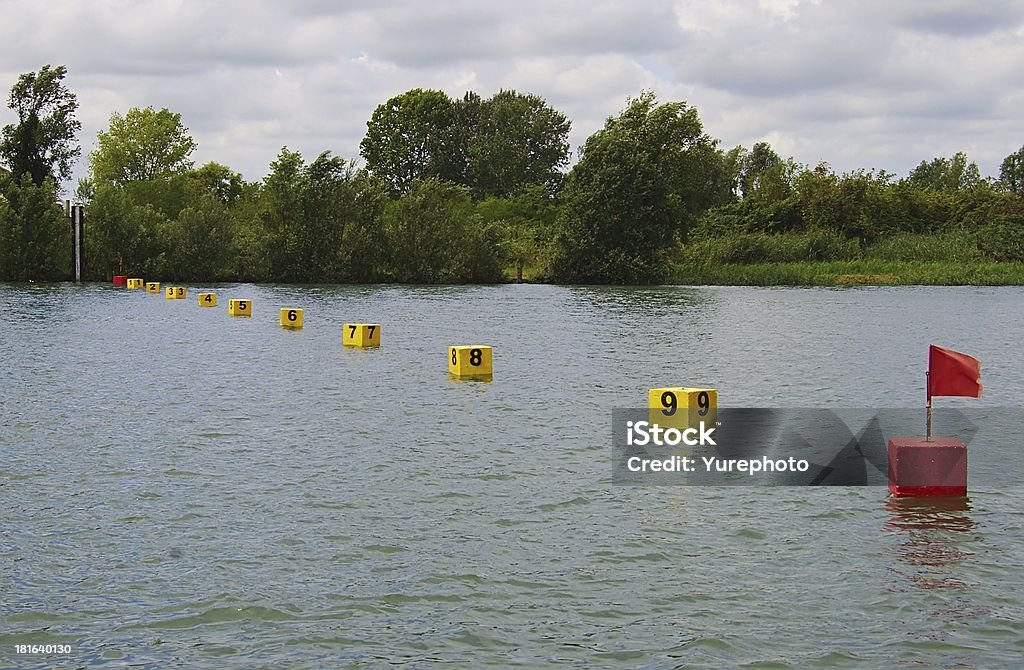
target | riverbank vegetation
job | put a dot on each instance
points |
(480, 190)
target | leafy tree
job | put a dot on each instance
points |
(142, 145)
(639, 183)
(519, 140)
(43, 143)
(34, 239)
(946, 174)
(759, 160)
(524, 223)
(1011, 172)
(415, 135)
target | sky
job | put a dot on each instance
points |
(866, 84)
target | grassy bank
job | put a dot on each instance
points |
(851, 273)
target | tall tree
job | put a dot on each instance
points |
(142, 145)
(413, 136)
(946, 174)
(519, 140)
(639, 183)
(34, 241)
(1011, 172)
(44, 141)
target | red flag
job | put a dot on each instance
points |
(953, 373)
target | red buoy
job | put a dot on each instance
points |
(923, 468)
(120, 280)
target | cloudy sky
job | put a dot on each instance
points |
(877, 84)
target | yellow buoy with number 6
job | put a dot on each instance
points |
(207, 299)
(240, 307)
(152, 287)
(291, 317)
(134, 282)
(474, 360)
(682, 407)
(360, 335)
(175, 293)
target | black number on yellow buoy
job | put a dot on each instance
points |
(291, 318)
(365, 335)
(238, 307)
(473, 361)
(669, 403)
(703, 403)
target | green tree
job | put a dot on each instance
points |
(639, 183)
(43, 143)
(415, 135)
(1011, 172)
(946, 174)
(524, 223)
(759, 160)
(518, 140)
(34, 235)
(143, 145)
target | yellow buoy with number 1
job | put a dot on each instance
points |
(470, 361)
(682, 407)
(291, 317)
(134, 282)
(239, 307)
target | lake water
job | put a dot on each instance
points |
(180, 488)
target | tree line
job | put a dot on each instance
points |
(469, 190)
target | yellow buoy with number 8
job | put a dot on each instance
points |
(682, 407)
(291, 317)
(473, 360)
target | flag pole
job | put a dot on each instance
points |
(928, 421)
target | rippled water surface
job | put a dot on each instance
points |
(181, 488)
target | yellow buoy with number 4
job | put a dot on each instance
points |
(682, 407)
(240, 307)
(207, 299)
(152, 287)
(360, 335)
(291, 317)
(474, 360)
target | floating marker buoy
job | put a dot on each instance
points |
(473, 360)
(175, 292)
(923, 468)
(240, 307)
(207, 299)
(134, 282)
(152, 287)
(360, 335)
(682, 407)
(119, 280)
(291, 317)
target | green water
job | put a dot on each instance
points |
(181, 488)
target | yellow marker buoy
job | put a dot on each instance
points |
(175, 293)
(134, 282)
(474, 360)
(152, 287)
(682, 407)
(207, 299)
(237, 307)
(291, 317)
(360, 335)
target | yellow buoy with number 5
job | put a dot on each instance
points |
(134, 282)
(360, 335)
(474, 360)
(291, 317)
(240, 307)
(682, 407)
(175, 293)
(152, 287)
(207, 299)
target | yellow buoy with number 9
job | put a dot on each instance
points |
(152, 287)
(207, 299)
(240, 307)
(291, 317)
(473, 360)
(360, 335)
(175, 293)
(682, 407)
